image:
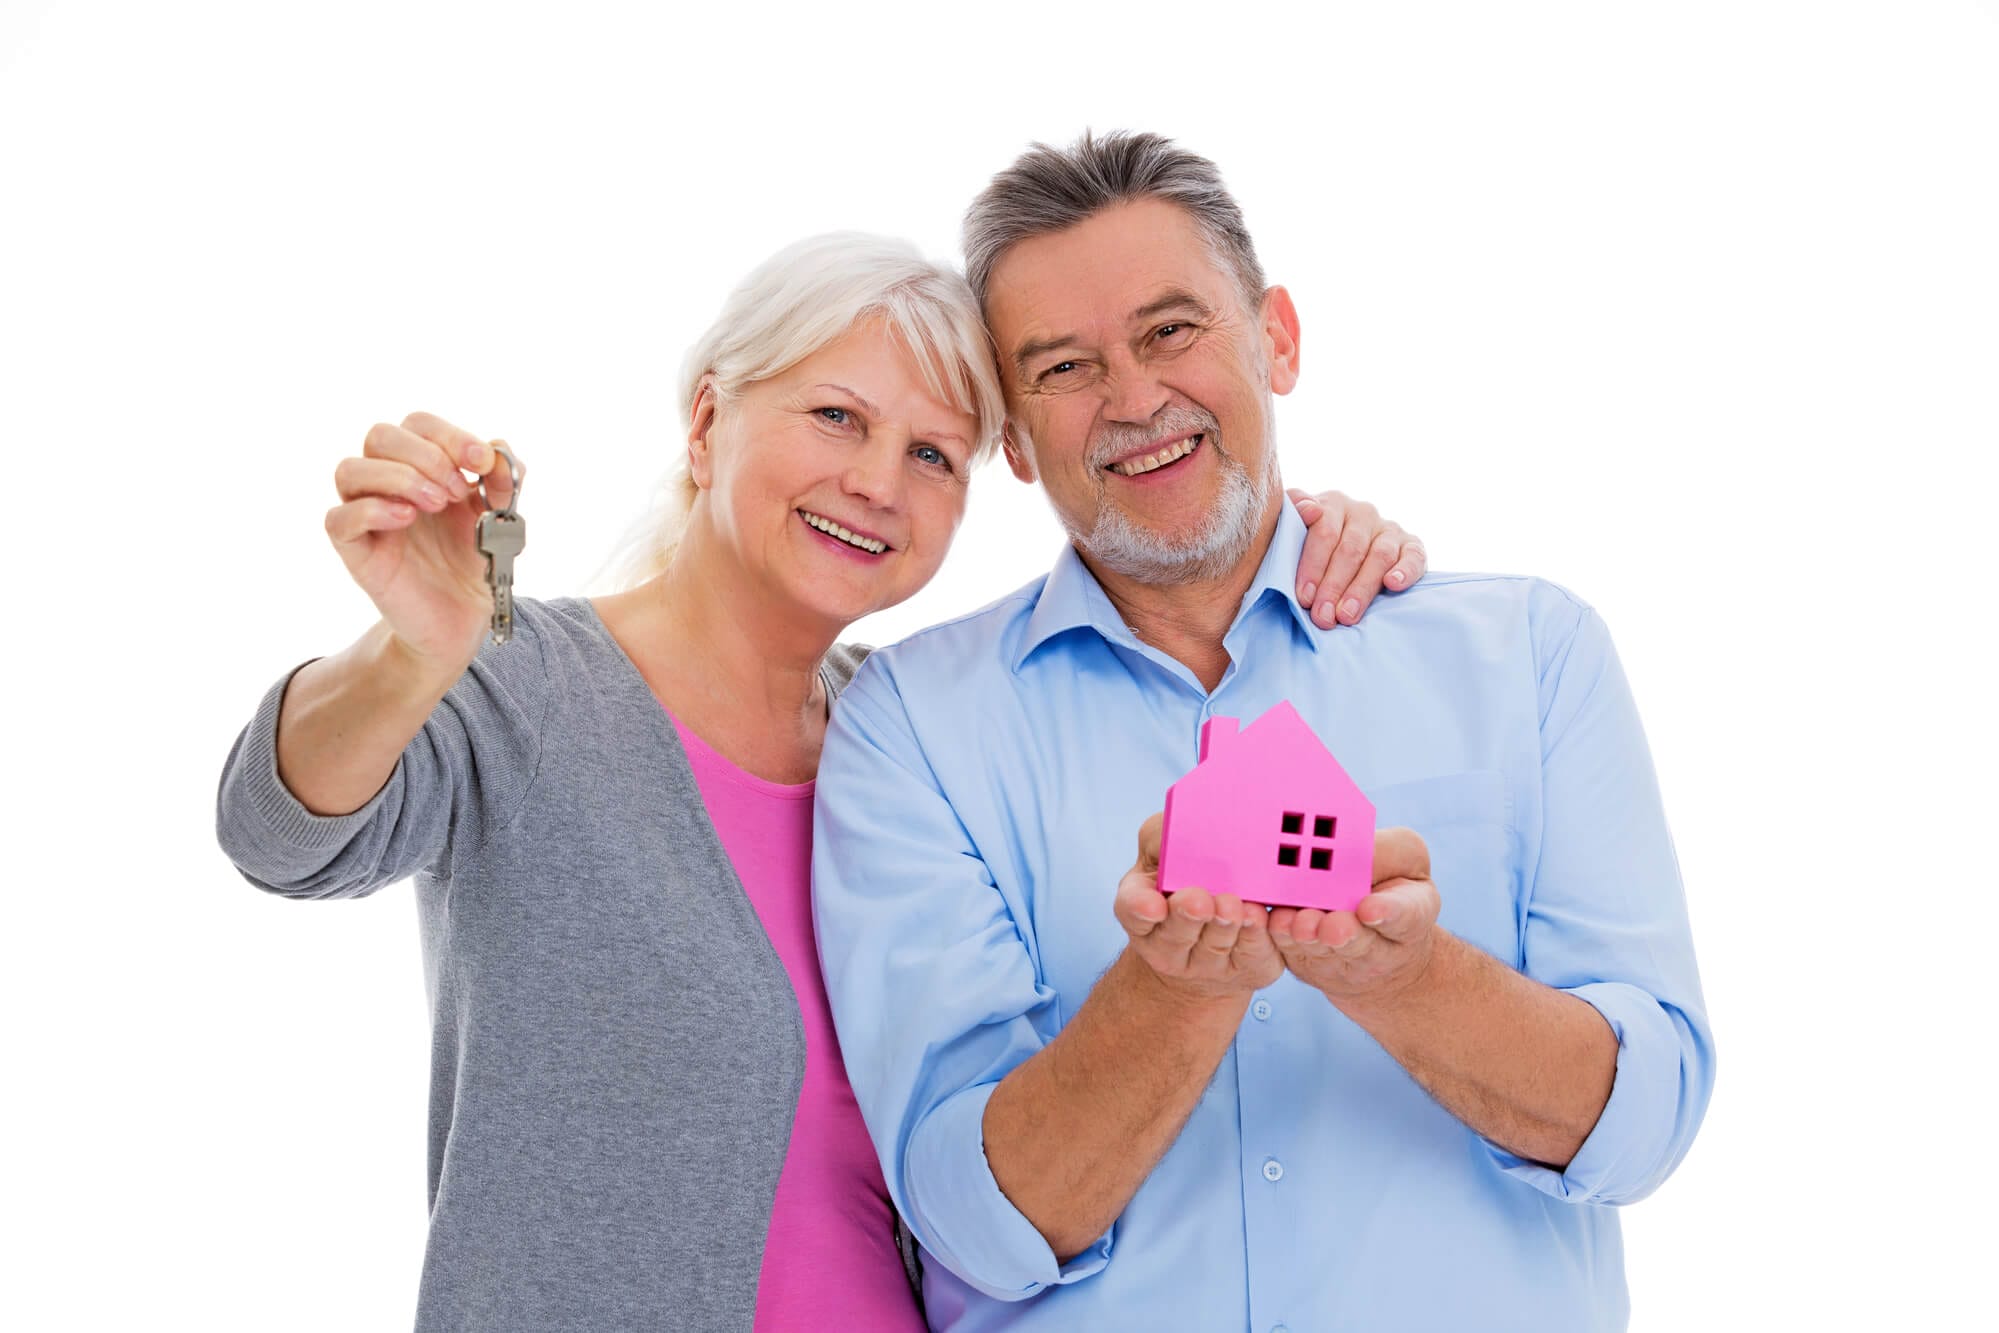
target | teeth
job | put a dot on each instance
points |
(832, 529)
(1139, 466)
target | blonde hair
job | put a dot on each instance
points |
(801, 299)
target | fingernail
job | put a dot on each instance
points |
(1324, 612)
(476, 457)
(1350, 609)
(1305, 593)
(1395, 577)
(432, 496)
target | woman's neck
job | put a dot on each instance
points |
(733, 666)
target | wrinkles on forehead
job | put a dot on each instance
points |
(1105, 279)
(1220, 264)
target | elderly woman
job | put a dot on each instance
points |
(638, 1117)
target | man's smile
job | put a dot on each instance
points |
(1138, 465)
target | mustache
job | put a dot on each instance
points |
(1113, 439)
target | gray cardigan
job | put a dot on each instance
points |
(616, 1051)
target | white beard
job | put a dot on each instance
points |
(1189, 556)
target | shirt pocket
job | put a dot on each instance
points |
(1465, 819)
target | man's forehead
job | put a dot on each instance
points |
(1116, 268)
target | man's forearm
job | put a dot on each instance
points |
(1074, 1131)
(1523, 1064)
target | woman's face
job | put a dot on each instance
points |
(848, 439)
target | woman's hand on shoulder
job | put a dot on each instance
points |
(1351, 553)
(406, 528)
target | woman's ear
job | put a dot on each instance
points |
(700, 426)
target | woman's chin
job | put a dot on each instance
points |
(845, 605)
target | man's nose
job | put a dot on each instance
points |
(1131, 391)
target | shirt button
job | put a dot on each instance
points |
(1261, 1009)
(1273, 1169)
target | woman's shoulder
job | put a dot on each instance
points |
(557, 627)
(557, 646)
(842, 661)
(566, 620)
(563, 640)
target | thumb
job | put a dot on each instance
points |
(1400, 853)
(1148, 844)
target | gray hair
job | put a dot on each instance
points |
(1049, 190)
(798, 301)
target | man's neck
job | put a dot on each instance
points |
(1188, 621)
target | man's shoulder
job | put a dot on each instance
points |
(1488, 618)
(962, 645)
(1473, 595)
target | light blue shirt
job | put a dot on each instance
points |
(979, 798)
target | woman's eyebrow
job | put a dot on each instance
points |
(841, 388)
(930, 434)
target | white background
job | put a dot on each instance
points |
(1693, 308)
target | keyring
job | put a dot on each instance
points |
(515, 470)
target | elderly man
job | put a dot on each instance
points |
(1103, 1108)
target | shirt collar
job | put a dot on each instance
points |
(1071, 598)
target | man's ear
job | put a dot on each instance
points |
(1019, 457)
(701, 423)
(1280, 339)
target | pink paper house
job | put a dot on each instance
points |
(1269, 815)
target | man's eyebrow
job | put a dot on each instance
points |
(876, 411)
(1177, 298)
(1040, 347)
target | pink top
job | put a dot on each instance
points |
(830, 1259)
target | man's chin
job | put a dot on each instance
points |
(1149, 555)
(1156, 559)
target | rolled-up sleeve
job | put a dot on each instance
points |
(1606, 918)
(933, 989)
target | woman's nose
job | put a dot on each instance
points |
(875, 474)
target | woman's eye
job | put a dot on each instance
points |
(930, 453)
(839, 416)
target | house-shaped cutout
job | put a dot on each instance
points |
(1269, 815)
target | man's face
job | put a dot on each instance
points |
(1138, 390)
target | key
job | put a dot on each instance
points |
(502, 536)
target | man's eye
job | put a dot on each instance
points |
(1170, 332)
(1059, 368)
